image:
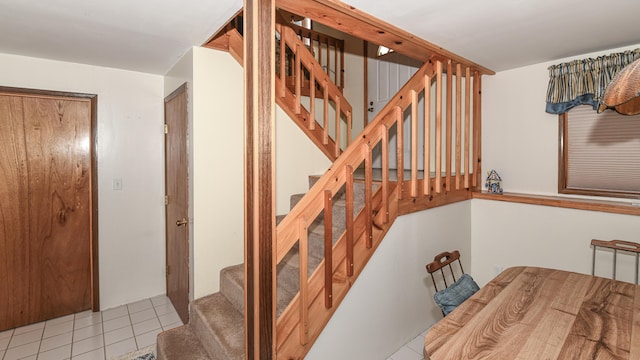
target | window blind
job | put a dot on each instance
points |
(603, 151)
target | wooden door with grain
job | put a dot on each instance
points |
(47, 233)
(177, 201)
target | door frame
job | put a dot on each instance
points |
(93, 158)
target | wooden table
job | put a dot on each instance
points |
(536, 313)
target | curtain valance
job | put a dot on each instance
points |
(583, 82)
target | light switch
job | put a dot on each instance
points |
(117, 184)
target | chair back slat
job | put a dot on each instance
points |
(442, 260)
(616, 245)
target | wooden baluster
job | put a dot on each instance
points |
(312, 99)
(384, 139)
(349, 218)
(449, 123)
(427, 135)
(328, 68)
(400, 149)
(319, 51)
(438, 127)
(335, 64)
(414, 143)
(477, 129)
(328, 249)
(298, 79)
(338, 125)
(342, 66)
(467, 125)
(365, 70)
(349, 127)
(304, 283)
(325, 131)
(458, 123)
(283, 59)
(368, 196)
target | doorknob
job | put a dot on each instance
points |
(181, 222)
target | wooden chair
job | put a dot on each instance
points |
(455, 292)
(442, 260)
(616, 245)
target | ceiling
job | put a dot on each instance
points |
(151, 35)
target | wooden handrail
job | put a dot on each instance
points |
(364, 231)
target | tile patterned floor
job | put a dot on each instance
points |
(413, 350)
(113, 332)
(91, 336)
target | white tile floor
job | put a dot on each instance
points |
(91, 336)
(413, 350)
(113, 332)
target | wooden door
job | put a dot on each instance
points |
(48, 231)
(177, 200)
(385, 76)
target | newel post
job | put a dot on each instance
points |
(259, 38)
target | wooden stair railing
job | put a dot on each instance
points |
(323, 120)
(303, 320)
(327, 50)
(449, 144)
(320, 83)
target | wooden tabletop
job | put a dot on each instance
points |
(537, 313)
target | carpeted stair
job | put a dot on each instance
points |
(216, 328)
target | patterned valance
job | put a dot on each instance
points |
(583, 82)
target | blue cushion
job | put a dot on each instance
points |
(449, 298)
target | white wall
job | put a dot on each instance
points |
(520, 141)
(392, 300)
(218, 158)
(297, 157)
(130, 147)
(510, 234)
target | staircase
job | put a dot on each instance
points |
(216, 328)
(331, 232)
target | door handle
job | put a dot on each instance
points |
(181, 222)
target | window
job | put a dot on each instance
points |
(599, 153)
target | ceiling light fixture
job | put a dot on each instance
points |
(383, 50)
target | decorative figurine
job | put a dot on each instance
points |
(493, 182)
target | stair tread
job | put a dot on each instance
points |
(223, 322)
(180, 343)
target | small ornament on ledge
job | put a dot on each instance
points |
(493, 182)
